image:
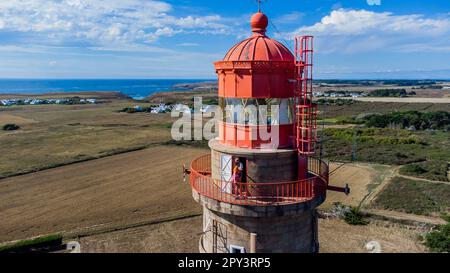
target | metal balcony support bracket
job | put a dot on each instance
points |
(345, 189)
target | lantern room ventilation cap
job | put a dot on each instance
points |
(259, 23)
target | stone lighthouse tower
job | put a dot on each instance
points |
(261, 184)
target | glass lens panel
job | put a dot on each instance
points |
(254, 111)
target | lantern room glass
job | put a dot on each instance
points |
(257, 111)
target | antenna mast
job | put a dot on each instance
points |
(259, 5)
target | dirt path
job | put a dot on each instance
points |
(384, 178)
(126, 188)
(423, 179)
(407, 216)
(405, 100)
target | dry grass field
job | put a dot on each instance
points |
(338, 237)
(82, 168)
(184, 97)
(182, 236)
(362, 179)
(115, 191)
(132, 187)
(53, 135)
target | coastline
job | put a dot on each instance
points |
(137, 89)
(81, 94)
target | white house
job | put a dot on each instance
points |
(208, 108)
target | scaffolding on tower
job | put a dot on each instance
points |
(305, 109)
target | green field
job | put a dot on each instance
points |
(359, 107)
(433, 170)
(413, 196)
(385, 146)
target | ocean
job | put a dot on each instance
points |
(137, 89)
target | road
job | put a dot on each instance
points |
(405, 100)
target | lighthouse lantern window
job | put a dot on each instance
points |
(257, 111)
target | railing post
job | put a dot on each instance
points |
(253, 242)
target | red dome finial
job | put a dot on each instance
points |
(259, 23)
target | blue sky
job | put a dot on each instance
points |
(181, 38)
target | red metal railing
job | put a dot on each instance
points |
(260, 194)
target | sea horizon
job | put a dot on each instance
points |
(134, 88)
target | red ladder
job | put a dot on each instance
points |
(306, 110)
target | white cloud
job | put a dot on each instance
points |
(292, 17)
(189, 44)
(356, 22)
(20, 49)
(353, 31)
(101, 22)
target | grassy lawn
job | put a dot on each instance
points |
(413, 196)
(433, 170)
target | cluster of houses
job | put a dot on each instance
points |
(340, 94)
(31, 101)
(166, 108)
(158, 109)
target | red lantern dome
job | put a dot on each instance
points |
(259, 47)
(257, 67)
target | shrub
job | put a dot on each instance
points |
(414, 168)
(388, 93)
(374, 135)
(340, 102)
(354, 217)
(10, 127)
(439, 240)
(439, 120)
(28, 245)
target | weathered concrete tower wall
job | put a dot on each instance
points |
(291, 233)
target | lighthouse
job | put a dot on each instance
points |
(261, 184)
